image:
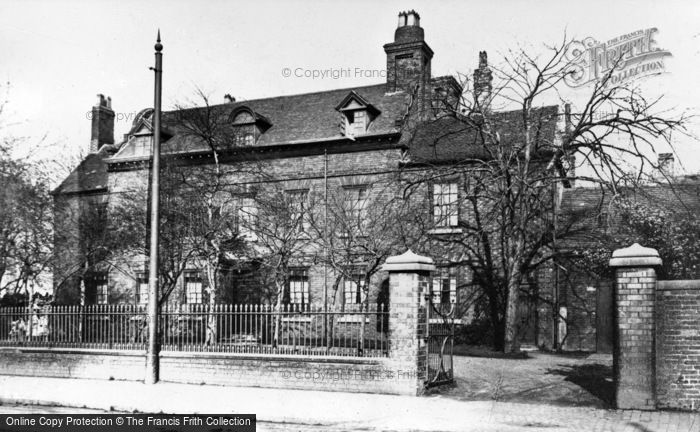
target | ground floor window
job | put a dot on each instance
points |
(142, 288)
(354, 288)
(97, 288)
(444, 287)
(299, 286)
(193, 287)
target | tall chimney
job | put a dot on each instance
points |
(482, 82)
(408, 57)
(102, 124)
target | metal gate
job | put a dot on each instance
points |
(440, 343)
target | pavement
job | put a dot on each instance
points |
(278, 409)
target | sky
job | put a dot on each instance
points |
(57, 56)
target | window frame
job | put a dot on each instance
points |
(246, 210)
(299, 209)
(140, 294)
(445, 212)
(357, 206)
(298, 278)
(193, 279)
(446, 279)
(357, 284)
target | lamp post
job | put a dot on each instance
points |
(152, 352)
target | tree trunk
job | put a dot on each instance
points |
(363, 322)
(511, 344)
(212, 324)
(496, 321)
(278, 315)
(330, 316)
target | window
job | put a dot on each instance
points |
(299, 287)
(354, 288)
(445, 204)
(244, 129)
(142, 288)
(355, 204)
(193, 287)
(357, 122)
(298, 200)
(247, 216)
(96, 288)
(101, 289)
(444, 289)
(248, 138)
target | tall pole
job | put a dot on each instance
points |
(325, 242)
(152, 353)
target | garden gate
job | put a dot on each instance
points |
(440, 343)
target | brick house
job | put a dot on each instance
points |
(350, 144)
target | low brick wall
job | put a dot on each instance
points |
(370, 375)
(678, 344)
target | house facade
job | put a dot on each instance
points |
(350, 168)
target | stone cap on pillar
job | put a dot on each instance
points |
(635, 256)
(408, 262)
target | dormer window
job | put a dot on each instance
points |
(247, 126)
(357, 115)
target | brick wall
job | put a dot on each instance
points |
(377, 375)
(678, 344)
(633, 363)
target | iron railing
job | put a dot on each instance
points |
(440, 343)
(354, 330)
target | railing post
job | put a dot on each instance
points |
(409, 276)
(634, 351)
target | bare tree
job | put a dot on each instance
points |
(360, 226)
(513, 163)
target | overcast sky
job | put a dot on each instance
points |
(58, 55)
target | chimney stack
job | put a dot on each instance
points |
(102, 124)
(482, 83)
(666, 164)
(408, 57)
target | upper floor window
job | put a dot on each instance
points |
(356, 122)
(247, 127)
(356, 206)
(445, 205)
(193, 287)
(299, 286)
(247, 215)
(357, 114)
(299, 217)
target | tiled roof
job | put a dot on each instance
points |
(593, 208)
(294, 119)
(298, 118)
(90, 175)
(450, 138)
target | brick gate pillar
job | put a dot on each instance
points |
(409, 277)
(633, 352)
